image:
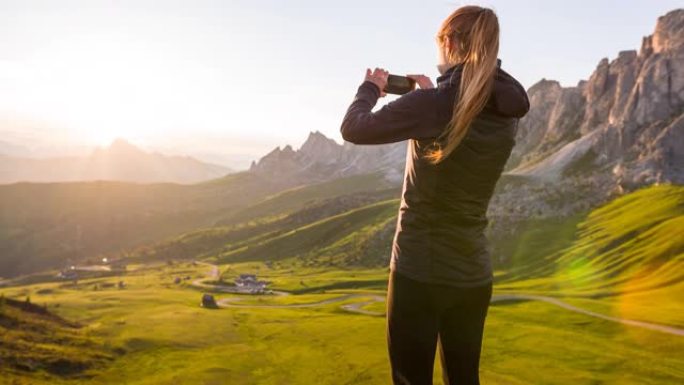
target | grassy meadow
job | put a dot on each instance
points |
(621, 259)
(154, 332)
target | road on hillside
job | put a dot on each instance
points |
(369, 298)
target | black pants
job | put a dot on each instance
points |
(419, 315)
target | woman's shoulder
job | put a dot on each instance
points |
(503, 76)
(509, 95)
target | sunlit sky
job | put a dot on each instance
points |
(227, 81)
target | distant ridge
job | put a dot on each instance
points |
(321, 158)
(120, 161)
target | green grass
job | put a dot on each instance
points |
(335, 237)
(538, 343)
(299, 197)
(289, 276)
(620, 260)
(532, 241)
(33, 340)
(626, 253)
(168, 338)
(45, 224)
(314, 203)
(658, 305)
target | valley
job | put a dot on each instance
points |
(327, 326)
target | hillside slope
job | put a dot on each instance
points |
(38, 342)
(629, 251)
(346, 239)
(48, 225)
(271, 217)
(45, 226)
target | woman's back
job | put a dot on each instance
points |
(439, 236)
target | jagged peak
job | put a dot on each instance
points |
(646, 46)
(316, 133)
(316, 139)
(624, 57)
(669, 31)
(604, 62)
(274, 151)
(121, 142)
(119, 146)
(627, 55)
(277, 150)
(544, 85)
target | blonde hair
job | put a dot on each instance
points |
(475, 30)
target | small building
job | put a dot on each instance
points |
(245, 279)
(208, 301)
(250, 284)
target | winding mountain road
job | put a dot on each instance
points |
(565, 305)
(370, 298)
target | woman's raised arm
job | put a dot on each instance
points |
(406, 117)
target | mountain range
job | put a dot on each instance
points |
(120, 161)
(321, 158)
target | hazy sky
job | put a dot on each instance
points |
(220, 78)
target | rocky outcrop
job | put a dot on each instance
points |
(621, 129)
(277, 162)
(612, 116)
(320, 148)
(321, 158)
(555, 116)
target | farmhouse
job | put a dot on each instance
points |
(249, 283)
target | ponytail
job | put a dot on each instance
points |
(476, 33)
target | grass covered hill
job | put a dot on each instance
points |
(212, 242)
(358, 237)
(43, 225)
(36, 340)
(629, 252)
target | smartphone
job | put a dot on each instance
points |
(399, 85)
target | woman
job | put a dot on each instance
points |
(460, 135)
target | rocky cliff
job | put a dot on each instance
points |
(620, 129)
(321, 158)
(628, 113)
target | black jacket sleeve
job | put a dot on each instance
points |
(401, 119)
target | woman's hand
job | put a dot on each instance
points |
(379, 78)
(423, 81)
